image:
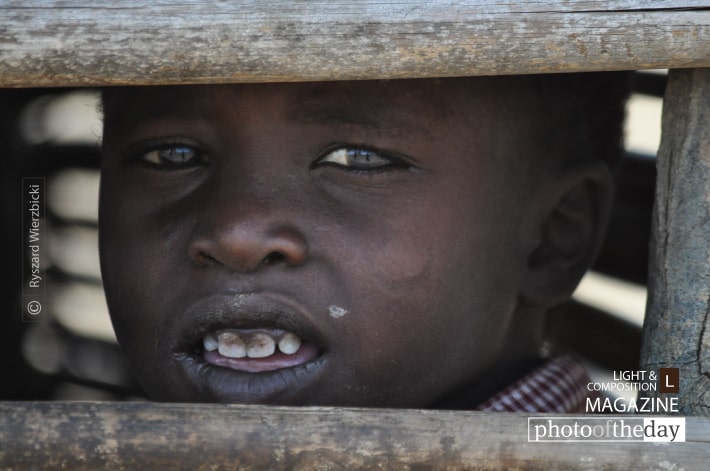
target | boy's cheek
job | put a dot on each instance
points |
(415, 354)
(400, 260)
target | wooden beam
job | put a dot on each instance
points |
(88, 436)
(677, 326)
(127, 42)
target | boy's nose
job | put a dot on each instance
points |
(246, 237)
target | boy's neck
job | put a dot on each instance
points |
(501, 376)
(521, 354)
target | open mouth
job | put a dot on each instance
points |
(250, 348)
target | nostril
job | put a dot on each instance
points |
(273, 258)
(204, 259)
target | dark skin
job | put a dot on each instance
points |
(411, 233)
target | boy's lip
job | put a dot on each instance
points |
(253, 311)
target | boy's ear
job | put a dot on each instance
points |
(571, 231)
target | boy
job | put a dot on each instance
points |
(377, 243)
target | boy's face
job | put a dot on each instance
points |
(383, 224)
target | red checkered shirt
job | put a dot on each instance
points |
(560, 385)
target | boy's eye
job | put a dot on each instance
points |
(175, 156)
(358, 159)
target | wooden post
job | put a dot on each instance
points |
(677, 326)
(111, 435)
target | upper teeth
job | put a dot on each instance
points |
(232, 344)
(261, 346)
(289, 344)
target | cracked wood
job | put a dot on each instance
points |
(677, 326)
(74, 43)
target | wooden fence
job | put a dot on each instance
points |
(92, 43)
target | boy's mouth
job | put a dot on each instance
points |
(250, 348)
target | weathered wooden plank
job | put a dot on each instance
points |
(91, 436)
(73, 42)
(677, 326)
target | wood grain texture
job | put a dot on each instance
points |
(677, 326)
(88, 436)
(73, 42)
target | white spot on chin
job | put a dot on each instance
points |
(336, 312)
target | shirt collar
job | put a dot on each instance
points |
(558, 386)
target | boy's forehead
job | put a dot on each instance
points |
(412, 105)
